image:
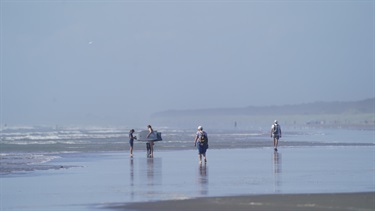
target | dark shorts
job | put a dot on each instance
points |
(131, 142)
(276, 136)
(202, 148)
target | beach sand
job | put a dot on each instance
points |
(287, 202)
(294, 178)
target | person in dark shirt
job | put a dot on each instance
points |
(131, 141)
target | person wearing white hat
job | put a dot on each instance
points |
(275, 134)
(202, 146)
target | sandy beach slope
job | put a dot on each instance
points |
(290, 202)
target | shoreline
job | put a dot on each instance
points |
(174, 180)
(317, 201)
(58, 163)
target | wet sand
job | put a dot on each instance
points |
(294, 178)
(290, 202)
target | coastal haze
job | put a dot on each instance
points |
(124, 62)
(76, 76)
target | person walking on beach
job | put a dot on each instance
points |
(131, 141)
(275, 134)
(202, 139)
(150, 144)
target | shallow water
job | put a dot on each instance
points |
(109, 178)
(29, 149)
(84, 169)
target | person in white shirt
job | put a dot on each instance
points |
(201, 142)
(275, 134)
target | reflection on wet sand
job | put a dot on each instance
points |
(203, 179)
(132, 178)
(146, 177)
(153, 170)
(277, 171)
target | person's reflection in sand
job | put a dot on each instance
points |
(203, 179)
(277, 171)
(150, 171)
(131, 178)
(154, 173)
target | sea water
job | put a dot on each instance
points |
(94, 169)
(25, 149)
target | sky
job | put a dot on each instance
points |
(118, 62)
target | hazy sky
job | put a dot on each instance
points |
(118, 61)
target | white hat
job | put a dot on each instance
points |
(200, 128)
(275, 121)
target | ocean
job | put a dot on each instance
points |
(89, 168)
(28, 149)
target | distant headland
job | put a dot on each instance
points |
(358, 114)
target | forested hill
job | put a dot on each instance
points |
(356, 107)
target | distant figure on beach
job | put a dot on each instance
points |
(150, 144)
(202, 139)
(131, 141)
(275, 134)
